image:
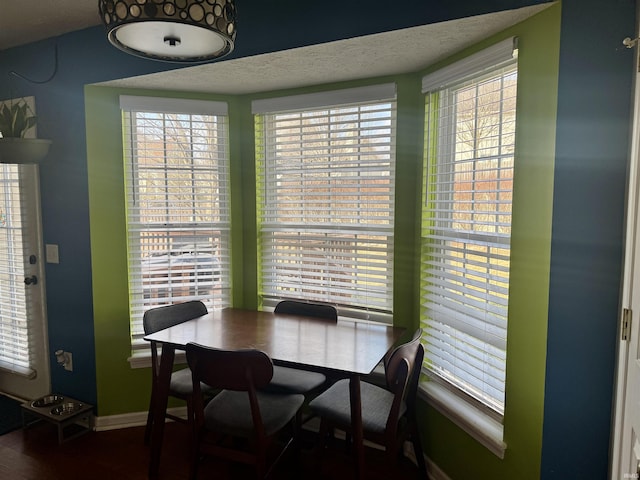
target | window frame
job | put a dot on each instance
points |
(265, 111)
(476, 418)
(206, 165)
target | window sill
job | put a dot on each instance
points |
(484, 429)
(143, 359)
(13, 369)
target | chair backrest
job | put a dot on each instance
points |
(317, 310)
(411, 351)
(159, 318)
(402, 372)
(240, 370)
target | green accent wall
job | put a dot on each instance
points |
(409, 148)
(109, 245)
(243, 213)
(445, 443)
(109, 259)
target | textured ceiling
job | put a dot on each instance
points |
(400, 51)
(26, 21)
(370, 56)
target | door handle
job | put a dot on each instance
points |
(32, 280)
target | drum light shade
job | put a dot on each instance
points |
(187, 31)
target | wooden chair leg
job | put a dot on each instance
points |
(152, 406)
(417, 448)
(348, 442)
(261, 460)
(194, 425)
(321, 441)
(392, 455)
(296, 434)
(149, 425)
(194, 454)
(190, 422)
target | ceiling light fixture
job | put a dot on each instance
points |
(185, 31)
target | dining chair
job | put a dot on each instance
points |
(294, 380)
(239, 411)
(388, 413)
(159, 318)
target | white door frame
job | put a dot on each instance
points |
(627, 348)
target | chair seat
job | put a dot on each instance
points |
(181, 383)
(388, 414)
(335, 405)
(292, 380)
(230, 412)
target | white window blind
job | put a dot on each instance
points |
(466, 231)
(15, 328)
(326, 180)
(178, 213)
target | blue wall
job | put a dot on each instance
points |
(594, 100)
(592, 143)
(83, 57)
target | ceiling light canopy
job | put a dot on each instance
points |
(171, 30)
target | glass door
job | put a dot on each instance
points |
(24, 356)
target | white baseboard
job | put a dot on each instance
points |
(435, 472)
(127, 420)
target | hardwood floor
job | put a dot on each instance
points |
(34, 454)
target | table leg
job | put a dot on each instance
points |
(356, 424)
(160, 408)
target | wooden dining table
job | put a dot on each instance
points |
(345, 348)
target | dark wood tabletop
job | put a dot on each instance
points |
(352, 348)
(346, 346)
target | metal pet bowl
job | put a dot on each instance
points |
(47, 401)
(66, 408)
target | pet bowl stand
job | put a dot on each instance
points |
(72, 417)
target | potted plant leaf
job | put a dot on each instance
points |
(16, 120)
